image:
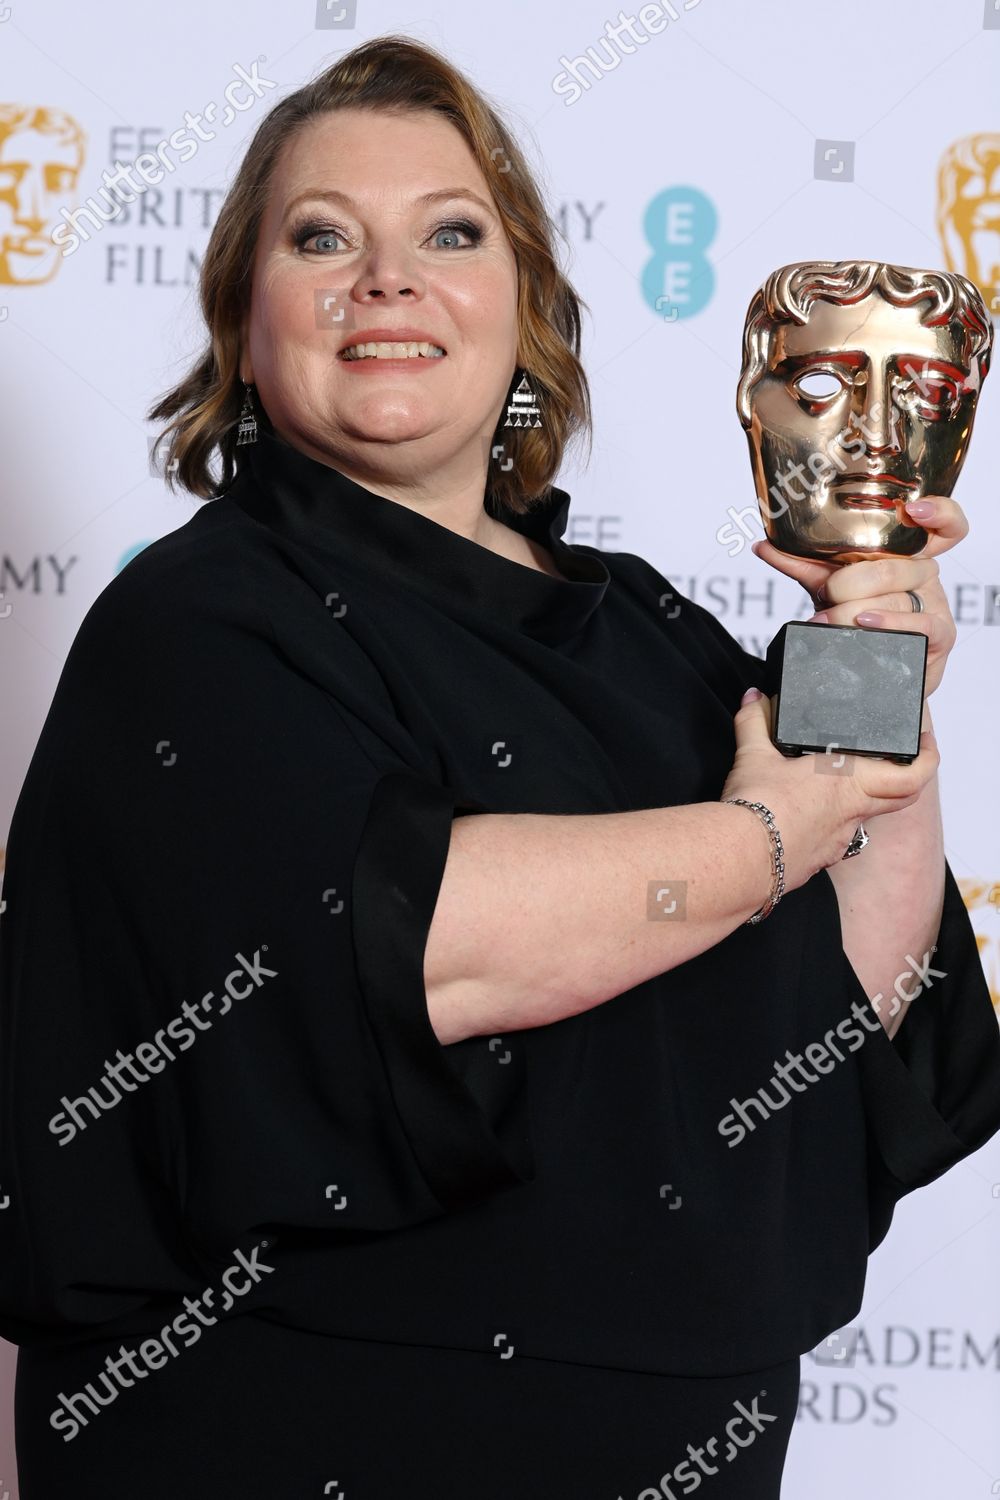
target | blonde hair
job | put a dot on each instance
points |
(390, 73)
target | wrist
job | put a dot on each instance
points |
(776, 853)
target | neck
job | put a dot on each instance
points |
(451, 493)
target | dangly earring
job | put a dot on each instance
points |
(522, 407)
(247, 432)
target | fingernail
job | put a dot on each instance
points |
(922, 509)
(751, 694)
(869, 617)
(819, 619)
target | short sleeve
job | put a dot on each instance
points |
(221, 874)
(468, 1136)
(932, 1092)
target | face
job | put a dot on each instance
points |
(38, 172)
(860, 409)
(379, 228)
(971, 229)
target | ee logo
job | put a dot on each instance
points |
(678, 279)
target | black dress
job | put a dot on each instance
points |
(265, 1235)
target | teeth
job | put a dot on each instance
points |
(393, 351)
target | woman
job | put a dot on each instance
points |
(372, 1122)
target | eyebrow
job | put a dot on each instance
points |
(818, 356)
(439, 195)
(855, 357)
(927, 361)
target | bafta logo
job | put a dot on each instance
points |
(41, 154)
(982, 901)
(969, 213)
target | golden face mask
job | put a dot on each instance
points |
(857, 393)
(41, 154)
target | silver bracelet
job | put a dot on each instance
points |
(777, 857)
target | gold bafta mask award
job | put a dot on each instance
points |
(857, 393)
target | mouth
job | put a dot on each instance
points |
(873, 492)
(393, 352)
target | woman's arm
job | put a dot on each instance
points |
(539, 917)
(891, 898)
(542, 916)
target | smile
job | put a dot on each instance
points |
(392, 351)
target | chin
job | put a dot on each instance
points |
(363, 431)
(836, 545)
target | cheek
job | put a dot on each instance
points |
(283, 321)
(483, 303)
(776, 413)
(942, 438)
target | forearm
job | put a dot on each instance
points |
(891, 898)
(542, 916)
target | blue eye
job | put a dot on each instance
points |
(312, 232)
(324, 238)
(461, 226)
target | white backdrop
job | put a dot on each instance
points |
(783, 132)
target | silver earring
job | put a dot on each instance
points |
(247, 432)
(522, 407)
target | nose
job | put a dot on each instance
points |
(879, 417)
(387, 272)
(28, 211)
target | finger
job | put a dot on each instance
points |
(884, 778)
(944, 520)
(889, 612)
(753, 722)
(811, 573)
(940, 630)
(878, 576)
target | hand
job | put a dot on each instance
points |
(873, 593)
(818, 815)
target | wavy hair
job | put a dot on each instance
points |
(393, 73)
